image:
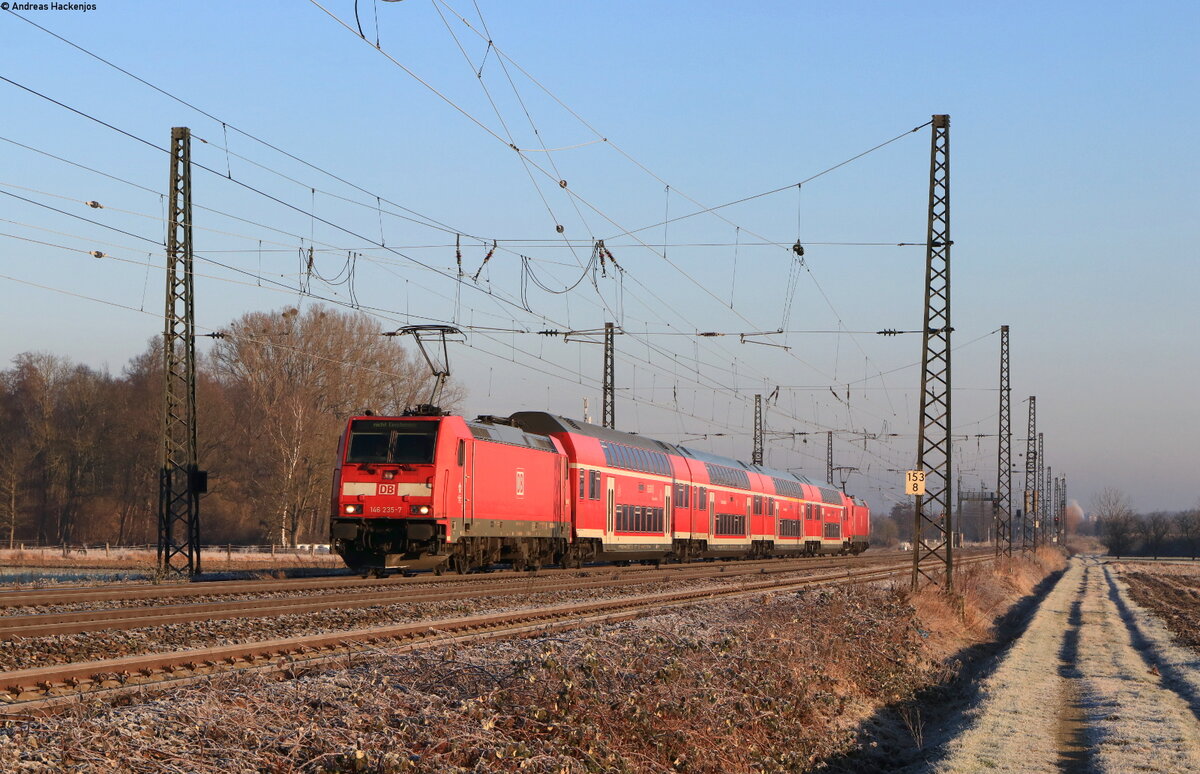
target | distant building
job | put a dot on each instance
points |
(976, 517)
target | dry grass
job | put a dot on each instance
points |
(1085, 544)
(982, 593)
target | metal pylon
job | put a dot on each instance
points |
(932, 528)
(1039, 498)
(1003, 505)
(609, 413)
(757, 455)
(180, 481)
(1029, 523)
(829, 457)
(1062, 511)
(1049, 503)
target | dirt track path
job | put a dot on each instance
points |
(1094, 684)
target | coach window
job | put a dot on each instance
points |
(582, 478)
(593, 485)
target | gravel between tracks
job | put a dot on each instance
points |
(768, 684)
(1094, 684)
(25, 653)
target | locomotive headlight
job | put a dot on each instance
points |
(353, 508)
(419, 510)
(388, 475)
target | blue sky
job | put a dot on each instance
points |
(1074, 203)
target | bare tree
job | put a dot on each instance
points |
(1158, 527)
(1111, 502)
(293, 377)
(1188, 525)
(1116, 533)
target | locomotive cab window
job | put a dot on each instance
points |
(384, 441)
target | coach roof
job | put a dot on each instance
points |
(544, 423)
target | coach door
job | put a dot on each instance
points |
(466, 482)
(667, 509)
(610, 504)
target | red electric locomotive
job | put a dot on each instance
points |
(418, 492)
(425, 492)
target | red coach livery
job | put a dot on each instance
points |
(434, 491)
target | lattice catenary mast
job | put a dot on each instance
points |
(1003, 502)
(1062, 511)
(181, 482)
(1039, 498)
(609, 412)
(1029, 524)
(757, 455)
(932, 527)
(829, 457)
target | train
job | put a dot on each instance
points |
(434, 491)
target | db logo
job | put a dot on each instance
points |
(387, 489)
(520, 483)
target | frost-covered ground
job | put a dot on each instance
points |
(1094, 684)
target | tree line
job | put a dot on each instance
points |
(82, 447)
(1121, 530)
(1160, 533)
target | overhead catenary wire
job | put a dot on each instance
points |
(223, 123)
(222, 175)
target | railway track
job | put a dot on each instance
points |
(47, 689)
(395, 591)
(77, 594)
